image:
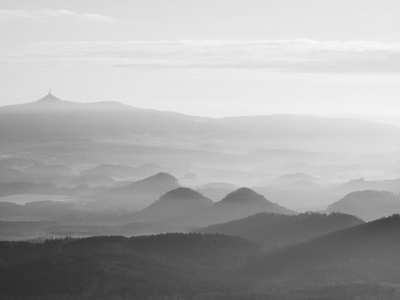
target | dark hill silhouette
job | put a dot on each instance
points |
(236, 205)
(139, 194)
(117, 267)
(367, 252)
(280, 230)
(368, 205)
(175, 202)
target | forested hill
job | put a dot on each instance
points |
(363, 253)
(280, 230)
(168, 265)
(357, 263)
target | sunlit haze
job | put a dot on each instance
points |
(200, 149)
(210, 58)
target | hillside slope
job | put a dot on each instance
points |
(175, 202)
(236, 205)
(368, 205)
(280, 230)
(365, 253)
(138, 267)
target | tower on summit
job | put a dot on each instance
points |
(49, 98)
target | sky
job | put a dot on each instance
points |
(207, 57)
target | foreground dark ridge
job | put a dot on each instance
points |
(166, 265)
(361, 262)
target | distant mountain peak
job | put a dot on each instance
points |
(244, 190)
(243, 195)
(159, 178)
(174, 202)
(183, 193)
(163, 175)
(49, 98)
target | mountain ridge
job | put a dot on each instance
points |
(232, 206)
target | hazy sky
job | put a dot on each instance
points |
(206, 57)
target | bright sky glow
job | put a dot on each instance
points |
(207, 57)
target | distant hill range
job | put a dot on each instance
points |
(362, 184)
(314, 193)
(139, 194)
(73, 144)
(295, 126)
(280, 230)
(51, 118)
(368, 205)
(236, 205)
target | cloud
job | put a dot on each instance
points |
(51, 15)
(273, 55)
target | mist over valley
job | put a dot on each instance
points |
(199, 150)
